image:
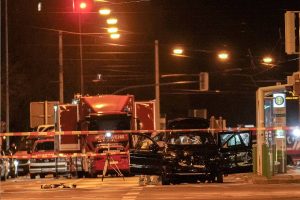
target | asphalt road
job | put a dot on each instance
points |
(128, 189)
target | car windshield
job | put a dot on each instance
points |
(111, 122)
(190, 138)
(44, 146)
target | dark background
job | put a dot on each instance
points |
(248, 29)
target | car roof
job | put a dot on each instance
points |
(188, 123)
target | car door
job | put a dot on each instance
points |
(145, 156)
(236, 150)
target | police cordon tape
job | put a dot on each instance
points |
(74, 155)
(238, 129)
(64, 155)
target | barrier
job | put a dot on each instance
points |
(49, 134)
(62, 155)
(58, 155)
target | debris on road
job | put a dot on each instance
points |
(59, 185)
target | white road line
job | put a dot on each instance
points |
(131, 193)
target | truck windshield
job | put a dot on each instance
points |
(110, 122)
(44, 146)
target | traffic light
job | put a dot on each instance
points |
(203, 81)
(291, 32)
(82, 6)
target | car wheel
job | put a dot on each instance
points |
(42, 175)
(80, 174)
(165, 180)
(219, 177)
(13, 175)
(202, 180)
(32, 176)
(4, 177)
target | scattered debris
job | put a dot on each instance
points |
(58, 185)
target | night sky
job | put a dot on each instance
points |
(247, 29)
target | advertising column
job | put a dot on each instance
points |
(279, 114)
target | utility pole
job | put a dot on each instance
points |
(61, 71)
(7, 73)
(157, 89)
(81, 62)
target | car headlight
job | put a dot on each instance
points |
(16, 162)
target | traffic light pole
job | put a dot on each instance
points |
(80, 52)
(61, 71)
(157, 88)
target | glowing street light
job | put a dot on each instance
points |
(267, 60)
(223, 56)
(177, 51)
(115, 36)
(104, 11)
(112, 21)
(112, 30)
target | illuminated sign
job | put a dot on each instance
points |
(279, 100)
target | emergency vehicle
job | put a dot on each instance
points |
(97, 113)
(45, 161)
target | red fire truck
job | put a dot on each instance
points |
(94, 113)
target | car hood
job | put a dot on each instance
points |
(21, 153)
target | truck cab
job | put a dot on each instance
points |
(93, 113)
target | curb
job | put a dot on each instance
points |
(274, 180)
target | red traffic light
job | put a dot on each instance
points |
(82, 5)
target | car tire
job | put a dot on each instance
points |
(80, 174)
(165, 180)
(13, 175)
(4, 177)
(42, 175)
(32, 176)
(219, 177)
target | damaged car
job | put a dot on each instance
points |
(186, 156)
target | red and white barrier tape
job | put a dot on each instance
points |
(62, 155)
(49, 134)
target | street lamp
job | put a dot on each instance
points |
(157, 89)
(112, 30)
(82, 6)
(267, 60)
(178, 51)
(112, 21)
(104, 11)
(115, 36)
(223, 56)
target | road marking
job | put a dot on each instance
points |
(132, 193)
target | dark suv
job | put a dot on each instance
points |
(185, 156)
